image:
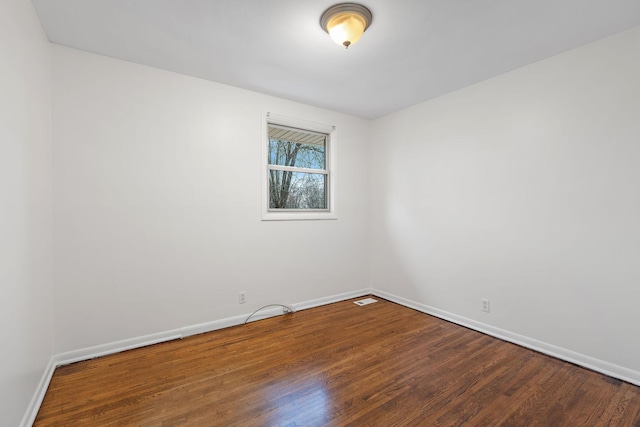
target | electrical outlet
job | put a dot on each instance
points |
(242, 298)
(485, 305)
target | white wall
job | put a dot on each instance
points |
(522, 189)
(25, 207)
(157, 213)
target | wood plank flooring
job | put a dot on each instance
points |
(337, 365)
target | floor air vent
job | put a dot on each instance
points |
(365, 301)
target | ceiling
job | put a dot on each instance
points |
(414, 50)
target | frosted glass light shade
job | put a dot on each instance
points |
(346, 22)
(346, 28)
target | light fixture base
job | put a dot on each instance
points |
(342, 8)
(337, 15)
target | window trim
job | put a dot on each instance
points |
(331, 175)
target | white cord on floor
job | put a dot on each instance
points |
(286, 308)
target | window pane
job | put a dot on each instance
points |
(288, 147)
(297, 190)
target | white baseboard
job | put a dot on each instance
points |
(269, 312)
(201, 328)
(74, 356)
(330, 300)
(88, 353)
(34, 406)
(606, 368)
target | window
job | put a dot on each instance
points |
(299, 174)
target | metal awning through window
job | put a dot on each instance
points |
(295, 135)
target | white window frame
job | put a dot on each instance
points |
(330, 152)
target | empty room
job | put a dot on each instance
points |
(287, 213)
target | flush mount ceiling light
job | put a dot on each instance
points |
(346, 22)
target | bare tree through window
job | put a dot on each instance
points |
(297, 169)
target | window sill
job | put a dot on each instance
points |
(297, 216)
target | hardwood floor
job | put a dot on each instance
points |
(337, 365)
